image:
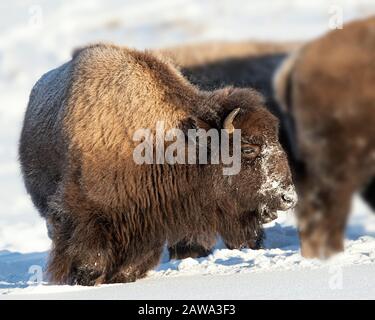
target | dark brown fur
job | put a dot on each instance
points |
(109, 218)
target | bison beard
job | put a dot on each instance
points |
(108, 217)
(244, 232)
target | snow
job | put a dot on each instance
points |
(38, 37)
(276, 272)
(305, 283)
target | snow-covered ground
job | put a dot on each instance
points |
(36, 36)
(277, 272)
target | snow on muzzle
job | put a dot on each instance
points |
(277, 188)
(284, 201)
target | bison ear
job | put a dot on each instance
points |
(194, 122)
(200, 124)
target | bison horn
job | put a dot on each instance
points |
(228, 122)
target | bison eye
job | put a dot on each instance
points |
(250, 151)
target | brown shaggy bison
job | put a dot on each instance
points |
(325, 99)
(328, 89)
(110, 217)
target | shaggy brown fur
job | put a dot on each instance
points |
(109, 217)
(327, 113)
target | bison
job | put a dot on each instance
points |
(327, 89)
(110, 217)
(322, 93)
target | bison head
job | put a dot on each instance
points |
(264, 183)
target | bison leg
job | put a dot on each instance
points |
(81, 260)
(93, 265)
(322, 216)
(185, 249)
(86, 251)
(368, 193)
(130, 273)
